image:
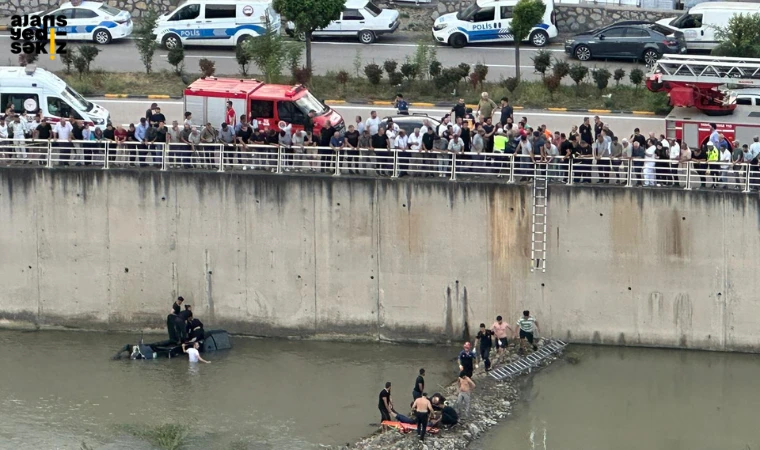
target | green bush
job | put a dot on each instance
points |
(176, 58)
(390, 66)
(208, 67)
(637, 77)
(741, 38)
(510, 84)
(435, 68)
(448, 78)
(542, 61)
(560, 68)
(619, 75)
(601, 78)
(243, 58)
(552, 83)
(578, 73)
(374, 73)
(301, 75)
(410, 70)
(481, 70)
(342, 77)
(395, 78)
(464, 70)
(88, 53)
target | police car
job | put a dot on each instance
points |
(489, 21)
(91, 21)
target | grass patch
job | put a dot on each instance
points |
(529, 94)
(165, 437)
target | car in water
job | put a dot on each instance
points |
(409, 122)
(637, 40)
(361, 19)
(91, 21)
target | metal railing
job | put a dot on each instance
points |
(502, 167)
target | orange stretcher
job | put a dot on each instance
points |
(406, 427)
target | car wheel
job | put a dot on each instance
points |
(172, 41)
(366, 37)
(301, 37)
(539, 38)
(102, 37)
(458, 40)
(582, 52)
(650, 57)
(243, 39)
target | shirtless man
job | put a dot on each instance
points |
(422, 409)
(499, 329)
(466, 386)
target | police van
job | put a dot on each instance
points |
(215, 22)
(488, 21)
(30, 89)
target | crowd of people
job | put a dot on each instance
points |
(185, 330)
(368, 145)
(435, 411)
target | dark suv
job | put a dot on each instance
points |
(635, 40)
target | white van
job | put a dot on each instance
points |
(30, 89)
(698, 24)
(488, 21)
(215, 22)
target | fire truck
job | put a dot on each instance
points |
(697, 89)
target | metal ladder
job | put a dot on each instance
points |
(526, 364)
(707, 69)
(540, 211)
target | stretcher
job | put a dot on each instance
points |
(406, 427)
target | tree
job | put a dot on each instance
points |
(552, 83)
(578, 72)
(637, 77)
(601, 78)
(88, 53)
(145, 39)
(741, 38)
(374, 73)
(176, 58)
(561, 69)
(410, 70)
(525, 16)
(243, 58)
(270, 52)
(619, 75)
(309, 15)
(482, 72)
(390, 66)
(208, 67)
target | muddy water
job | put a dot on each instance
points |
(60, 389)
(638, 399)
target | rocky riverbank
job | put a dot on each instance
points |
(492, 402)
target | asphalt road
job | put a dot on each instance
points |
(122, 56)
(128, 111)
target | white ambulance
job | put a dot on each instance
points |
(215, 22)
(30, 89)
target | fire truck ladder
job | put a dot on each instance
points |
(527, 364)
(708, 69)
(540, 211)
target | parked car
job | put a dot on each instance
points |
(91, 21)
(412, 121)
(701, 21)
(749, 97)
(360, 18)
(645, 41)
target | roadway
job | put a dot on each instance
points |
(122, 56)
(129, 111)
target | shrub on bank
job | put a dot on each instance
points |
(446, 87)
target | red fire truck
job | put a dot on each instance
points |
(696, 86)
(269, 104)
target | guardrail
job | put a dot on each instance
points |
(509, 168)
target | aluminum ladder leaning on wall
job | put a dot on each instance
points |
(540, 211)
(529, 362)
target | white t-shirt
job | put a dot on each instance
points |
(372, 124)
(675, 151)
(63, 131)
(193, 355)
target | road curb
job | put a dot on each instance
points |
(418, 105)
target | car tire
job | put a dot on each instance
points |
(582, 53)
(539, 38)
(301, 37)
(102, 37)
(650, 57)
(366, 37)
(458, 40)
(243, 39)
(171, 41)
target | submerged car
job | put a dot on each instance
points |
(637, 40)
(91, 21)
(361, 19)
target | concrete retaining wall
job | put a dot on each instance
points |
(399, 260)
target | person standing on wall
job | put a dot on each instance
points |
(528, 325)
(419, 385)
(385, 404)
(467, 359)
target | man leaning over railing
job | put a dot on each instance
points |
(365, 153)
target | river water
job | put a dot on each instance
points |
(60, 389)
(627, 398)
